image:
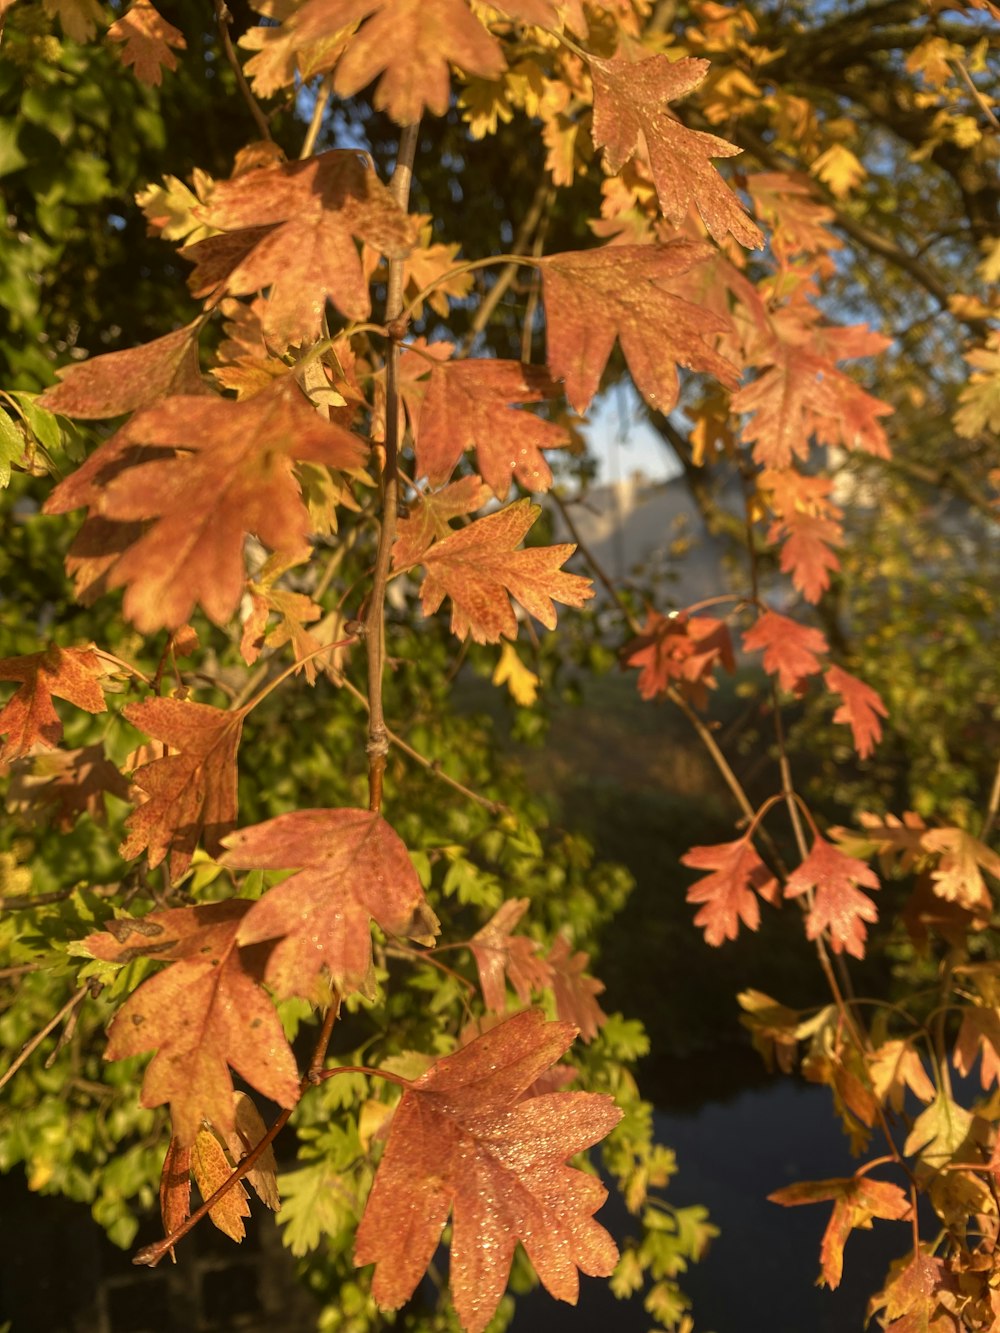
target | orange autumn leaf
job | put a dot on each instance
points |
(205, 1013)
(189, 795)
(806, 551)
(466, 1140)
(64, 784)
(469, 404)
(574, 989)
(427, 517)
(201, 473)
(789, 649)
(499, 953)
(411, 44)
(861, 709)
(147, 38)
(299, 222)
(479, 568)
(623, 292)
(351, 869)
(211, 1168)
(29, 717)
(839, 907)
(857, 1200)
(175, 1189)
(120, 382)
(630, 113)
(728, 894)
(958, 875)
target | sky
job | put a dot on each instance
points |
(623, 442)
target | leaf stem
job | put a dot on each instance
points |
(223, 18)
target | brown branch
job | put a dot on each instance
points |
(374, 624)
(223, 19)
(316, 121)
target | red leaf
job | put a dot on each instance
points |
(148, 38)
(218, 470)
(200, 1015)
(467, 404)
(857, 1199)
(190, 794)
(789, 649)
(465, 1140)
(411, 43)
(29, 718)
(680, 650)
(630, 114)
(623, 291)
(727, 894)
(862, 708)
(175, 1189)
(498, 952)
(351, 869)
(477, 567)
(314, 210)
(120, 382)
(838, 906)
(575, 992)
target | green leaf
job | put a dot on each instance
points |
(11, 447)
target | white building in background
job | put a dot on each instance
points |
(655, 525)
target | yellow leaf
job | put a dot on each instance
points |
(839, 169)
(522, 683)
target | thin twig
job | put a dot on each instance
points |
(150, 1255)
(506, 276)
(977, 96)
(992, 807)
(431, 765)
(223, 18)
(316, 123)
(29, 1047)
(374, 636)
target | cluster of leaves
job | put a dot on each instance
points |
(290, 471)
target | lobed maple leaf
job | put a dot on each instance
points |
(147, 38)
(797, 219)
(575, 991)
(623, 291)
(217, 471)
(893, 1068)
(727, 894)
(802, 395)
(204, 1013)
(979, 1035)
(630, 115)
(912, 1298)
(806, 553)
(352, 869)
(64, 784)
(682, 651)
(120, 382)
(468, 404)
(293, 230)
(789, 648)
(838, 905)
(478, 566)
(28, 718)
(427, 517)
(958, 877)
(189, 795)
(857, 1200)
(862, 708)
(499, 953)
(410, 43)
(466, 1140)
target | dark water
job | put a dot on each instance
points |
(759, 1276)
